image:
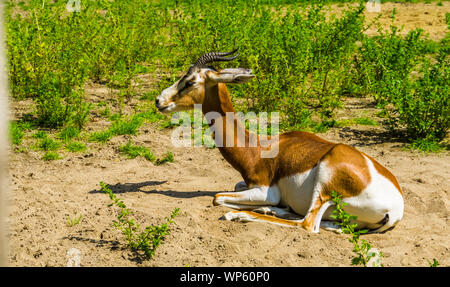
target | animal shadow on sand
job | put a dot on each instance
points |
(119, 188)
(370, 137)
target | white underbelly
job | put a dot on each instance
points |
(297, 190)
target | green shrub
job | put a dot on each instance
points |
(147, 240)
(423, 107)
(361, 247)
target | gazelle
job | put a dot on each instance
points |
(301, 177)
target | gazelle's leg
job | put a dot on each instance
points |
(277, 212)
(240, 186)
(330, 226)
(249, 199)
(320, 201)
(249, 216)
(276, 215)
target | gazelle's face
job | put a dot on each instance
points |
(190, 89)
(184, 93)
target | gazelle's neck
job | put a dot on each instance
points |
(236, 144)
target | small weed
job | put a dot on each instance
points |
(361, 248)
(147, 240)
(102, 136)
(68, 133)
(149, 116)
(365, 121)
(126, 127)
(48, 144)
(167, 158)
(135, 151)
(72, 221)
(51, 155)
(40, 135)
(433, 263)
(105, 112)
(75, 147)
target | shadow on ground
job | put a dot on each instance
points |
(140, 187)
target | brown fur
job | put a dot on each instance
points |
(298, 152)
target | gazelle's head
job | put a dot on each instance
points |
(191, 88)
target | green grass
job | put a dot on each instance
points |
(167, 158)
(48, 144)
(16, 133)
(132, 151)
(365, 121)
(433, 263)
(51, 155)
(426, 145)
(40, 135)
(68, 133)
(126, 127)
(75, 147)
(101, 136)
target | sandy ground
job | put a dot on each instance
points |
(44, 194)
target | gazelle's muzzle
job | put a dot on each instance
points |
(164, 101)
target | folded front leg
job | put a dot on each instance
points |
(249, 199)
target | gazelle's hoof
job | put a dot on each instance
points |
(240, 186)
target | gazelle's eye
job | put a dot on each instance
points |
(188, 84)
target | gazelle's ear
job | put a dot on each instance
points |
(232, 76)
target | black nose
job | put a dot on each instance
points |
(157, 102)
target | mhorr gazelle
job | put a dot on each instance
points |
(294, 187)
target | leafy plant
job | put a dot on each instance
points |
(146, 240)
(361, 247)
